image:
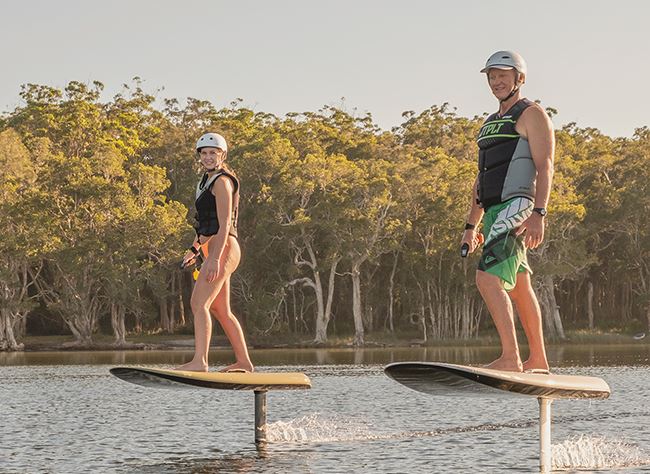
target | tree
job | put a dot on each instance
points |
(101, 202)
(20, 242)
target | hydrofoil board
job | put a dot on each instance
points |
(446, 379)
(167, 378)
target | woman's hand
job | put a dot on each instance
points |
(210, 269)
(188, 259)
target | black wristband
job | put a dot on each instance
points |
(540, 210)
(469, 226)
(193, 250)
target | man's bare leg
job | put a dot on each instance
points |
(500, 307)
(530, 315)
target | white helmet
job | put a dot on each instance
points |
(506, 60)
(213, 140)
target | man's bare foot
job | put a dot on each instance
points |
(238, 366)
(193, 367)
(507, 365)
(537, 365)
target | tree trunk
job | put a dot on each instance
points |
(87, 326)
(423, 321)
(164, 314)
(321, 331)
(171, 306)
(323, 317)
(3, 322)
(75, 298)
(117, 322)
(356, 302)
(7, 338)
(391, 295)
(546, 309)
(314, 282)
(434, 307)
(14, 293)
(20, 326)
(590, 305)
(181, 304)
(558, 322)
(550, 310)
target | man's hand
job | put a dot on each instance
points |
(472, 238)
(534, 229)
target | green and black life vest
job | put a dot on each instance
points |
(506, 167)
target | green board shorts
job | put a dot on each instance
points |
(504, 254)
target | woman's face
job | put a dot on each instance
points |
(211, 157)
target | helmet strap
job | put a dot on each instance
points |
(514, 90)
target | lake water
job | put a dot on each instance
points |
(64, 413)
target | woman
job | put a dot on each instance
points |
(217, 201)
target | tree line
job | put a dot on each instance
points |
(346, 229)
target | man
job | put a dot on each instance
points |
(510, 194)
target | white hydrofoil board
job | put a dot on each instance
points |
(445, 379)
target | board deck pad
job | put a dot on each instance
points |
(167, 378)
(446, 379)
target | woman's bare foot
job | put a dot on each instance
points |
(540, 365)
(193, 367)
(508, 365)
(239, 366)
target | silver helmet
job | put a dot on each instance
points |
(506, 60)
(213, 140)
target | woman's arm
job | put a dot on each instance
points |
(222, 191)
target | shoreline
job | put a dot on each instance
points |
(186, 342)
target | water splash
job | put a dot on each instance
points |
(592, 452)
(317, 428)
(576, 453)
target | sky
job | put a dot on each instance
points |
(587, 59)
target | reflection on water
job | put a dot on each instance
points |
(559, 356)
(64, 413)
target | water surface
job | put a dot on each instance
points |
(63, 412)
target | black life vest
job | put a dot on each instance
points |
(506, 167)
(206, 205)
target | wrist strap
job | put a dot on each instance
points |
(469, 226)
(193, 250)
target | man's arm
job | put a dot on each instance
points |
(471, 236)
(538, 130)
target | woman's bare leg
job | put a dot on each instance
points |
(203, 296)
(221, 310)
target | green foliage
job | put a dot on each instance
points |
(100, 195)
